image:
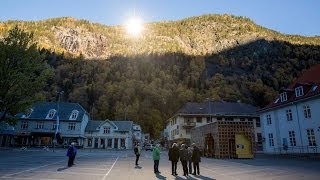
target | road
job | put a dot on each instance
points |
(101, 165)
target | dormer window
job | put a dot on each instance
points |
(299, 91)
(283, 97)
(74, 115)
(51, 114)
(29, 112)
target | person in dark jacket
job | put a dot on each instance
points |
(184, 159)
(71, 153)
(137, 152)
(174, 158)
(196, 159)
(189, 159)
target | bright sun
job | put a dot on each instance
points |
(134, 26)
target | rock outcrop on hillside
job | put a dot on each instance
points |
(81, 41)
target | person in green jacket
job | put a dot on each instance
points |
(156, 158)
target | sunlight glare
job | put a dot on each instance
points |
(134, 26)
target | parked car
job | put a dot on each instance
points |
(148, 147)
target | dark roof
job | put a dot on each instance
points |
(310, 82)
(93, 125)
(123, 125)
(41, 110)
(120, 125)
(218, 108)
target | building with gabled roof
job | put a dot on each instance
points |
(193, 115)
(38, 126)
(107, 134)
(291, 122)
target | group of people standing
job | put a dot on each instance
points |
(188, 156)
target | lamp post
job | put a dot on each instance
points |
(57, 122)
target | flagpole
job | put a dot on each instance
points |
(58, 120)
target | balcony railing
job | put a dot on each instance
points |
(189, 124)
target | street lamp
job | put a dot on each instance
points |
(58, 121)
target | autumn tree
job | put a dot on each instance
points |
(23, 72)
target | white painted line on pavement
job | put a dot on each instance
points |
(71, 172)
(8, 175)
(104, 177)
(5, 176)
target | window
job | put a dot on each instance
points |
(188, 120)
(299, 91)
(72, 126)
(24, 125)
(307, 111)
(29, 112)
(259, 138)
(40, 125)
(51, 114)
(74, 115)
(242, 119)
(292, 138)
(219, 118)
(289, 115)
(199, 120)
(269, 119)
(283, 97)
(208, 119)
(109, 143)
(271, 142)
(311, 137)
(90, 142)
(228, 119)
(177, 130)
(54, 125)
(258, 124)
(106, 130)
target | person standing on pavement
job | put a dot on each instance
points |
(189, 149)
(137, 152)
(156, 158)
(71, 153)
(196, 159)
(174, 158)
(184, 159)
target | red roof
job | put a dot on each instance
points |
(311, 75)
(310, 82)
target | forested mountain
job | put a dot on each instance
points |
(148, 79)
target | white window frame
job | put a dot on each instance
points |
(292, 138)
(51, 114)
(271, 140)
(283, 97)
(40, 125)
(74, 115)
(299, 91)
(24, 125)
(307, 111)
(311, 137)
(269, 120)
(106, 130)
(289, 115)
(54, 125)
(72, 126)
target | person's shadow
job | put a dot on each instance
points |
(159, 176)
(192, 178)
(138, 167)
(63, 168)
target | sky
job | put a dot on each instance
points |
(300, 17)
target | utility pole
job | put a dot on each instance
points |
(58, 121)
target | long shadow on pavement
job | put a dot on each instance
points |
(63, 168)
(138, 167)
(159, 176)
(199, 177)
